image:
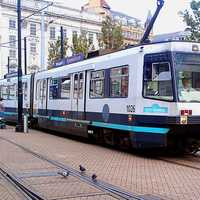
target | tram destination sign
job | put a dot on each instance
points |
(69, 60)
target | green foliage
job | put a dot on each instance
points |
(111, 36)
(80, 44)
(193, 20)
(54, 51)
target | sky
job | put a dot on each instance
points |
(168, 21)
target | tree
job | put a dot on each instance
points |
(192, 20)
(54, 51)
(111, 36)
(80, 44)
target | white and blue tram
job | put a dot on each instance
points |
(144, 97)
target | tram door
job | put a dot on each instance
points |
(42, 104)
(78, 95)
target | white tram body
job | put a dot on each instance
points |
(131, 97)
(8, 92)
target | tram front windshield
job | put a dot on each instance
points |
(187, 69)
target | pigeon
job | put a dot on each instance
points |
(94, 177)
(82, 169)
(64, 174)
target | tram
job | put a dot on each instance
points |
(147, 96)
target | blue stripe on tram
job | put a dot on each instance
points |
(132, 128)
(138, 129)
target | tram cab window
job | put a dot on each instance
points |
(158, 81)
(97, 84)
(65, 87)
(187, 68)
(119, 82)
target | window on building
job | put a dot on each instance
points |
(12, 53)
(98, 36)
(52, 33)
(33, 29)
(97, 84)
(12, 24)
(13, 67)
(91, 38)
(33, 48)
(119, 81)
(65, 87)
(75, 33)
(12, 41)
(84, 33)
(65, 33)
(54, 89)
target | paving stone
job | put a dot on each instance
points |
(134, 173)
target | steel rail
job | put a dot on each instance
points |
(116, 191)
(27, 193)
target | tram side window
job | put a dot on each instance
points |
(158, 81)
(54, 89)
(5, 92)
(81, 81)
(119, 82)
(97, 83)
(12, 92)
(65, 87)
(43, 84)
(75, 86)
(25, 90)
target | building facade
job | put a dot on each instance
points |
(132, 28)
(181, 35)
(73, 21)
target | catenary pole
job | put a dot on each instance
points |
(25, 56)
(20, 126)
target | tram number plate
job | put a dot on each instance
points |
(130, 108)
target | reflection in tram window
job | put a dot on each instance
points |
(119, 82)
(81, 81)
(53, 88)
(65, 87)
(12, 92)
(75, 86)
(25, 90)
(97, 84)
(158, 81)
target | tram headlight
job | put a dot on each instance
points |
(184, 120)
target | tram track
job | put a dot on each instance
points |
(114, 191)
(187, 161)
(17, 184)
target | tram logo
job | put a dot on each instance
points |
(155, 108)
(106, 113)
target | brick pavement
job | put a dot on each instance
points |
(134, 173)
(8, 192)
